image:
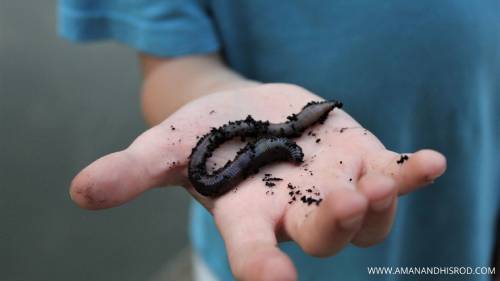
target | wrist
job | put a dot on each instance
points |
(171, 83)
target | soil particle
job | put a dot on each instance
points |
(269, 180)
(309, 200)
(313, 196)
(402, 159)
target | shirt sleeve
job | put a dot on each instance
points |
(156, 27)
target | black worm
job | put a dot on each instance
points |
(272, 145)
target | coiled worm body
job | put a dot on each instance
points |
(272, 144)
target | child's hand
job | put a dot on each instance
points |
(345, 165)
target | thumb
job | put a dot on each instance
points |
(153, 159)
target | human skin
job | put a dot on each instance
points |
(359, 196)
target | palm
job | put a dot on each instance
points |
(344, 165)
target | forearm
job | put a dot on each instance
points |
(170, 83)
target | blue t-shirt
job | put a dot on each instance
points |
(418, 74)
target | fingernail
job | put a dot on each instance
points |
(382, 205)
(351, 223)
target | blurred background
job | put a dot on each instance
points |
(61, 107)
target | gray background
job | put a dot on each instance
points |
(62, 106)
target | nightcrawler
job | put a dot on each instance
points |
(272, 144)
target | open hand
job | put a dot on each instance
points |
(352, 181)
